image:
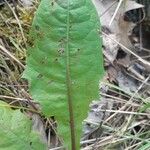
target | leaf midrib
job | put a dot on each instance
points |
(68, 81)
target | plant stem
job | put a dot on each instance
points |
(68, 78)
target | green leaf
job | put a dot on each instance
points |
(65, 64)
(15, 131)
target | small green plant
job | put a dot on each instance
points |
(65, 64)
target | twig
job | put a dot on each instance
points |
(13, 98)
(125, 112)
(11, 56)
(116, 11)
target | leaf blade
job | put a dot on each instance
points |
(15, 131)
(65, 64)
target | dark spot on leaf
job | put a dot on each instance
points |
(56, 59)
(30, 143)
(103, 47)
(39, 76)
(52, 3)
(42, 62)
(78, 49)
(61, 51)
(61, 40)
(37, 27)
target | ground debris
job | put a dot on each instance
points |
(123, 109)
